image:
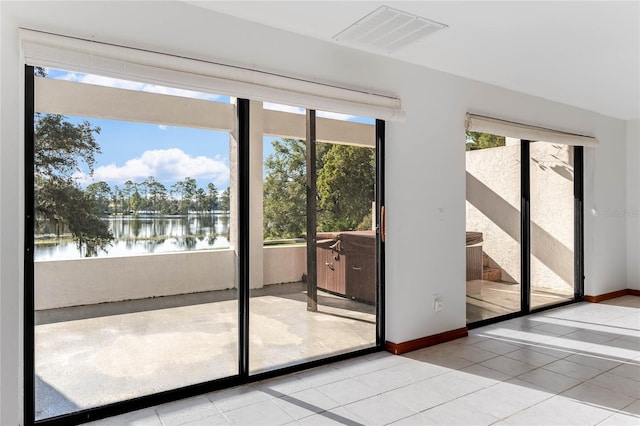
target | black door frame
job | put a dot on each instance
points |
(243, 376)
(525, 237)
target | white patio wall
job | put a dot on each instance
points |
(62, 283)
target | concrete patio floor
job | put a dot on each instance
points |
(94, 355)
(500, 298)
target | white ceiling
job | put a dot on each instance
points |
(585, 54)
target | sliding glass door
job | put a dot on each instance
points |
(134, 282)
(523, 225)
(183, 241)
(318, 288)
(493, 251)
(553, 255)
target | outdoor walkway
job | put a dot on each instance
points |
(578, 364)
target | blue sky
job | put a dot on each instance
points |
(134, 151)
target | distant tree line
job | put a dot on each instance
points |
(152, 197)
(62, 206)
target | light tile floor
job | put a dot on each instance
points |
(576, 365)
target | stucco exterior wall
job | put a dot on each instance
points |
(552, 217)
(493, 208)
(493, 205)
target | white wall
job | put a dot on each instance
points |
(424, 162)
(633, 204)
(10, 236)
(605, 191)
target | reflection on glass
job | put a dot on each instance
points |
(493, 226)
(552, 219)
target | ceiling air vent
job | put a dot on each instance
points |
(387, 30)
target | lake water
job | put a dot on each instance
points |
(134, 235)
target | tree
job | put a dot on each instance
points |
(346, 186)
(476, 140)
(213, 197)
(157, 194)
(225, 200)
(285, 190)
(127, 194)
(117, 200)
(60, 146)
(201, 200)
(136, 202)
(186, 189)
(100, 193)
(59, 149)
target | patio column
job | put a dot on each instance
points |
(256, 237)
(233, 191)
(256, 196)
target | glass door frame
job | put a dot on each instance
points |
(242, 377)
(525, 237)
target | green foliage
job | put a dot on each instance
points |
(345, 188)
(59, 149)
(60, 146)
(185, 191)
(476, 140)
(212, 199)
(99, 193)
(225, 200)
(157, 195)
(285, 190)
(61, 202)
(152, 197)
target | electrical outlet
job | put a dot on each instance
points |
(437, 305)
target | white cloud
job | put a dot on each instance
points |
(132, 85)
(166, 165)
(162, 127)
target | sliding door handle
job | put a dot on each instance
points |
(383, 224)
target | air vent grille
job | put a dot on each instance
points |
(387, 30)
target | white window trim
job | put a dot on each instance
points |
(482, 124)
(74, 54)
